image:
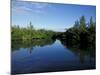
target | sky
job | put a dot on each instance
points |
(50, 16)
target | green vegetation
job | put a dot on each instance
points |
(81, 34)
(30, 33)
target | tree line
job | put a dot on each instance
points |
(29, 32)
(81, 34)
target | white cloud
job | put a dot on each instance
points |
(23, 7)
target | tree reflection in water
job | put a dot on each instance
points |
(81, 52)
(30, 44)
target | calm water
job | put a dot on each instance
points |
(48, 55)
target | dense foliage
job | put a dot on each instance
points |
(82, 34)
(30, 33)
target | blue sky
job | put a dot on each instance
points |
(50, 16)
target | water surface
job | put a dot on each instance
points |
(48, 55)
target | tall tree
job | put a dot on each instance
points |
(76, 25)
(30, 26)
(91, 22)
(82, 23)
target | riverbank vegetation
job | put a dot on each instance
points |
(29, 33)
(82, 34)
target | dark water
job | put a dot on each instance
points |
(48, 55)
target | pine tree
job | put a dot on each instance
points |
(91, 22)
(76, 25)
(83, 24)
